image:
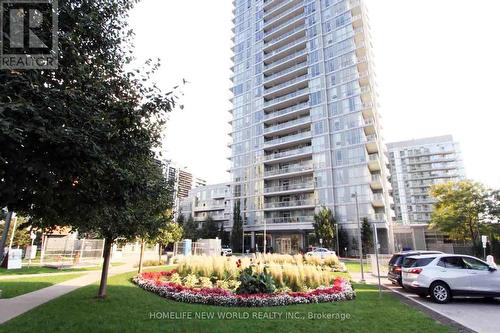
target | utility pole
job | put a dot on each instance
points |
(360, 246)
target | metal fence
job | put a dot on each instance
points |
(67, 251)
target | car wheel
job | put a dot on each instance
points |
(440, 292)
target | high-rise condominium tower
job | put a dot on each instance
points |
(416, 165)
(306, 131)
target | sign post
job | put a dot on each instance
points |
(484, 240)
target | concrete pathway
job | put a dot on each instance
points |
(24, 276)
(477, 314)
(13, 307)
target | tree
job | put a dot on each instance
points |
(172, 232)
(191, 230)
(366, 236)
(224, 236)
(324, 227)
(21, 235)
(463, 209)
(343, 241)
(77, 141)
(180, 219)
(209, 229)
(237, 230)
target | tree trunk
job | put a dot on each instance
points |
(3, 240)
(105, 267)
(159, 253)
(141, 257)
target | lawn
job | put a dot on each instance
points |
(15, 287)
(355, 267)
(43, 270)
(130, 309)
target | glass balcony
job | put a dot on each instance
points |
(288, 124)
(288, 138)
(286, 84)
(286, 71)
(288, 23)
(289, 204)
(286, 111)
(290, 187)
(274, 19)
(273, 42)
(272, 65)
(288, 153)
(300, 92)
(285, 47)
(290, 219)
(288, 169)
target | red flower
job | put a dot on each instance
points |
(238, 263)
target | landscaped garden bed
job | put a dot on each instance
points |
(266, 280)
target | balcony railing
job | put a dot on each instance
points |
(378, 217)
(290, 219)
(288, 138)
(285, 111)
(303, 150)
(286, 84)
(291, 203)
(286, 46)
(276, 40)
(284, 24)
(289, 169)
(289, 187)
(285, 13)
(285, 59)
(299, 121)
(287, 96)
(371, 138)
(285, 71)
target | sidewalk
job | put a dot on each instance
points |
(13, 307)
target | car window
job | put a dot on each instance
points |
(408, 262)
(394, 260)
(475, 264)
(452, 262)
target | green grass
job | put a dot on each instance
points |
(355, 267)
(43, 270)
(128, 309)
(15, 287)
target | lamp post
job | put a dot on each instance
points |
(360, 246)
(265, 236)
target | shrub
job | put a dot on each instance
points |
(255, 283)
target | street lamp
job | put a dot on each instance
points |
(360, 246)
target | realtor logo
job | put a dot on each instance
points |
(28, 34)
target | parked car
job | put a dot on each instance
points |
(396, 264)
(446, 275)
(320, 252)
(226, 251)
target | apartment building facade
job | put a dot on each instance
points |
(306, 131)
(210, 201)
(415, 166)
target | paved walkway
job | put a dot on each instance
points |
(476, 314)
(13, 307)
(24, 276)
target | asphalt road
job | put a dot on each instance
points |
(479, 314)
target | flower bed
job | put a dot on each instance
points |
(340, 290)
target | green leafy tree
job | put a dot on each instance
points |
(237, 229)
(77, 141)
(366, 236)
(171, 232)
(180, 219)
(209, 229)
(324, 227)
(463, 210)
(343, 241)
(191, 230)
(225, 239)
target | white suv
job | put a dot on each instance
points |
(443, 276)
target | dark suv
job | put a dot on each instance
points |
(396, 264)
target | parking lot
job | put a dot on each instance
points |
(478, 314)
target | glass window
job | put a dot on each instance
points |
(475, 264)
(452, 262)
